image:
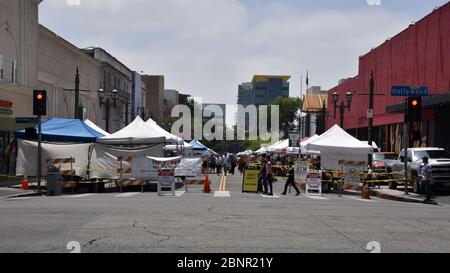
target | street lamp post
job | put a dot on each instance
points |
(342, 106)
(107, 96)
(324, 114)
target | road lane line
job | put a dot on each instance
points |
(128, 194)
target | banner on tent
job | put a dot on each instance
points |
(189, 167)
(353, 171)
(144, 168)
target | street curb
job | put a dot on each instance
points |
(400, 198)
(21, 195)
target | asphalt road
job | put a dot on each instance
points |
(199, 222)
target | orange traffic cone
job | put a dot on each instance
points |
(206, 185)
(25, 183)
(366, 193)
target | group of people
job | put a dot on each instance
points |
(266, 178)
(222, 163)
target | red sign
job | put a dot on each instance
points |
(6, 104)
(166, 172)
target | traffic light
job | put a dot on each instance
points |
(39, 102)
(415, 109)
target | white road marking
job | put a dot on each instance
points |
(268, 196)
(222, 194)
(128, 194)
(360, 199)
(79, 195)
(316, 197)
(179, 193)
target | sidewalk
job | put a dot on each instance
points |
(395, 195)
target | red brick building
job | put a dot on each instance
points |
(418, 56)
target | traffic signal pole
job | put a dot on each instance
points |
(39, 159)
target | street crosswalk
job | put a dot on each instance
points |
(316, 197)
(216, 194)
(128, 194)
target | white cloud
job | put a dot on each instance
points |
(208, 47)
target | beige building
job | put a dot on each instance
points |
(18, 59)
(58, 61)
(115, 80)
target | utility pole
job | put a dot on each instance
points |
(406, 144)
(77, 96)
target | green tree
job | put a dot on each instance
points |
(289, 108)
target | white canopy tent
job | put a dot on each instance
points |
(304, 145)
(136, 132)
(96, 128)
(151, 124)
(279, 147)
(335, 145)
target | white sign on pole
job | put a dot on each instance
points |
(314, 183)
(166, 182)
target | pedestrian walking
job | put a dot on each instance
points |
(268, 181)
(262, 177)
(291, 180)
(226, 164)
(233, 164)
(427, 179)
(219, 165)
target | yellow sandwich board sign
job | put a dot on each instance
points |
(250, 183)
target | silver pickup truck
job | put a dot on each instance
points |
(439, 160)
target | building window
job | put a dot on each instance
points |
(2, 67)
(14, 72)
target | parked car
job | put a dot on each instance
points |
(382, 164)
(439, 160)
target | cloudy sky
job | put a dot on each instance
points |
(207, 47)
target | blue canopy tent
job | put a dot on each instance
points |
(65, 130)
(197, 146)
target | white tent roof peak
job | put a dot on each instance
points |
(170, 137)
(336, 139)
(96, 128)
(137, 132)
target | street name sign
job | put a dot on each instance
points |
(409, 91)
(26, 120)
